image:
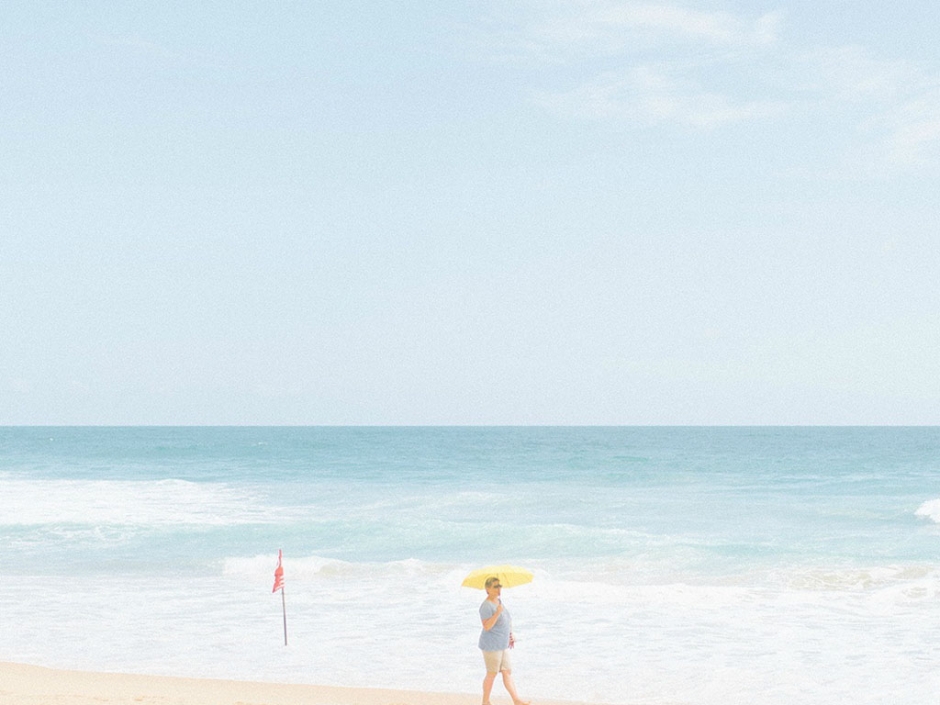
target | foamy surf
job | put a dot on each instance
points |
(930, 510)
(126, 502)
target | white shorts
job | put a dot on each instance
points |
(497, 661)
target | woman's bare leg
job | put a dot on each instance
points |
(488, 687)
(511, 688)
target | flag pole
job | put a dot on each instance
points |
(284, 609)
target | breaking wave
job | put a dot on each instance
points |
(930, 510)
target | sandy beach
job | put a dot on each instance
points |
(33, 685)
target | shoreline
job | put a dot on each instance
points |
(24, 684)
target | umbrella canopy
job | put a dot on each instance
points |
(509, 576)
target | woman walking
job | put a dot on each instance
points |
(495, 642)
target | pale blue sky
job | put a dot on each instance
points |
(483, 213)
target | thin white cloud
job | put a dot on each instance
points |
(715, 27)
(914, 133)
(646, 95)
(850, 74)
(742, 68)
(894, 106)
(579, 29)
(673, 92)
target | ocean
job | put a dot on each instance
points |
(711, 566)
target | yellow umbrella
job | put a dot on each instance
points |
(509, 576)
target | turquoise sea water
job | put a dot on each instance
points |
(673, 565)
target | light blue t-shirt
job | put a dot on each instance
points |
(497, 638)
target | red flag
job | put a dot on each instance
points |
(278, 574)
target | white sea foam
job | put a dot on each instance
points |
(854, 579)
(314, 571)
(930, 510)
(707, 644)
(125, 502)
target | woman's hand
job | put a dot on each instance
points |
(491, 622)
